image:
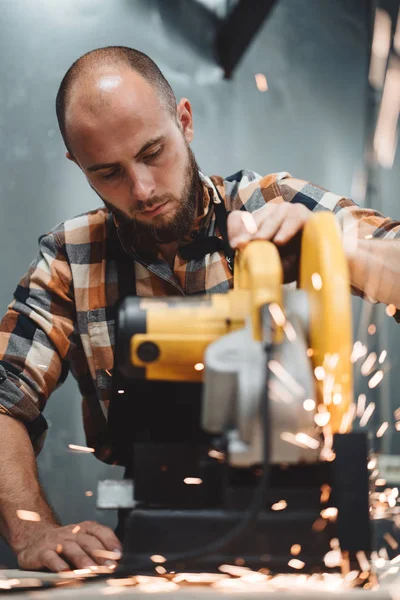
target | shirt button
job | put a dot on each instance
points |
(194, 234)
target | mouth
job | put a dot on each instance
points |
(154, 211)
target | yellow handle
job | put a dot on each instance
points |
(258, 268)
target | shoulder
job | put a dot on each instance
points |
(86, 228)
(248, 190)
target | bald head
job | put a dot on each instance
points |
(97, 78)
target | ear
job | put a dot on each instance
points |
(72, 158)
(185, 119)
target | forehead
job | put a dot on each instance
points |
(111, 107)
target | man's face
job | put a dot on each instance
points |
(134, 153)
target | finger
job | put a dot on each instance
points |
(52, 561)
(106, 535)
(241, 226)
(271, 223)
(96, 550)
(293, 223)
(77, 557)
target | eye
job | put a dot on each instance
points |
(110, 174)
(154, 154)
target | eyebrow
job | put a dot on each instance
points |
(143, 149)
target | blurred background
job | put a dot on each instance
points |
(306, 86)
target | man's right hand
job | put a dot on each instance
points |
(59, 549)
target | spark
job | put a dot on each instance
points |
(290, 331)
(76, 529)
(359, 350)
(391, 310)
(281, 373)
(308, 441)
(380, 482)
(347, 419)
(295, 563)
(88, 493)
(309, 404)
(80, 448)
(199, 366)
(385, 138)
(310, 352)
(325, 493)
(289, 437)
(367, 414)
(369, 236)
(372, 464)
(361, 404)
(160, 570)
(319, 525)
(329, 513)
(363, 561)
(333, 558)
(192, 480)
(281, 505)
(28, 515)
(121, 391)
(277, 314)
(322, 418)
(261, 82)
(382, 429)
(248, 222)
(337, 398)
(216, 454)
(295, 549)
(319, 373)
(107, 554)
(368, 363)
(158, 558)
(59, 548)
(382, 356)
(372, 329)
(316, 280)
(380, 48)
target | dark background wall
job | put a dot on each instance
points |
(311, 122)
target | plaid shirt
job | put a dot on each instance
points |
(62, 316)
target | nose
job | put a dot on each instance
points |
(142, 185)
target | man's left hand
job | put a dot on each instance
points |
(281, 224)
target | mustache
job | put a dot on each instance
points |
(143, 205)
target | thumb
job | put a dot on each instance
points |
(241, 227)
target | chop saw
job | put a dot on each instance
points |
(242, 449)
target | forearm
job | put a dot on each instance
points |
(375, 268)
(19, 485)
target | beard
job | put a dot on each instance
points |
(163, 230)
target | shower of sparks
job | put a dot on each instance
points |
(375, 379)
(369, 362)
(322, 418)
(380, 48)
(316, 280)
(277, 314)
(28, 515)
(192, 480)
(76, 448)
(333, 559)
(390, 310)
(309, 404)
(367, 414)
(281, 505)
(261, 82)
(361, 404)
(382, 429)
